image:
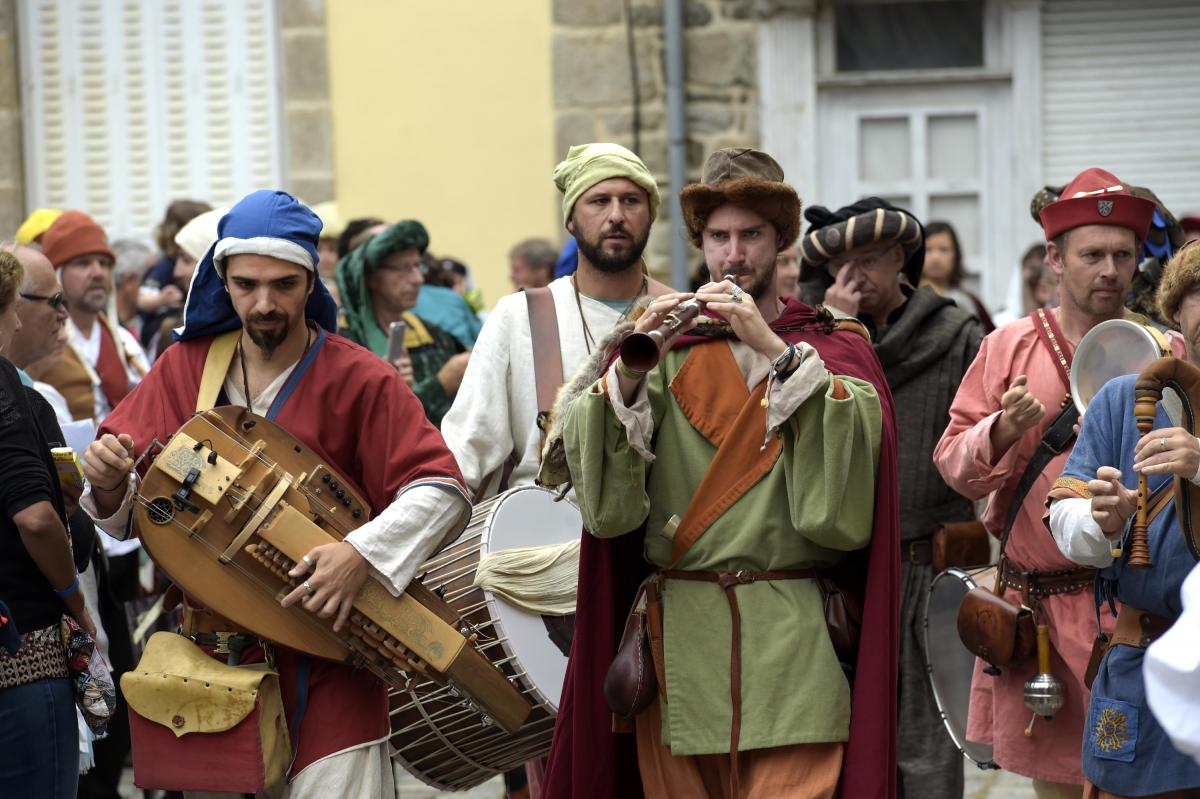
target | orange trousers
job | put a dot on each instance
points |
(799, 771)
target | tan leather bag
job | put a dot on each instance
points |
(961, 545)
(999, 632)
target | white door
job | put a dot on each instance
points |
(942, 152)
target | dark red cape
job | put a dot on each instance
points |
(588, 760)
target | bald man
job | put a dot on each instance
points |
(40, 308)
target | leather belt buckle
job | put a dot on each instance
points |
(920, 552)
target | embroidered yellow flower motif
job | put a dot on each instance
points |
(1112, 730)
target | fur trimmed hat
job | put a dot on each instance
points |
(1181, 276)
(866, 222)
(746, 178)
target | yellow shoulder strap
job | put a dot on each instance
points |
(216, 366)
(417, 335)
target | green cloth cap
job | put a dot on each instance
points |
(588, 164)
(352, 271)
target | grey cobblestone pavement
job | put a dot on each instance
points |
(979, 785)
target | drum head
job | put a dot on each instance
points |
(951, 665)
(1110, 349)
(530, 517)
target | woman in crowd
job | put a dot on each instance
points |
(39, 744)
(944, 271)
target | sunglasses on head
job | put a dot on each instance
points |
(55, 300)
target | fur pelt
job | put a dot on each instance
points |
(553, 470)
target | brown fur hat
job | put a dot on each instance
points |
(1180, 278)
(746, 178)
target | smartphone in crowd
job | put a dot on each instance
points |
(396, 331)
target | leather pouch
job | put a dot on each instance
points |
(1099, 648)
(631, 683)
(199, 725)
(996, 630)
(843, 618)
(961, 545)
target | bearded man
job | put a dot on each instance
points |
(1125, 750)
(261, 323)
(609, 202)
(103, 361)
(999, 424)
(772, 437)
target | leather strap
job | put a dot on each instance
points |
(547, 352)
(730, 581)
(1052, 337)
(1057, 438)
(216, 366)
(1138, 627)
(1038, 584)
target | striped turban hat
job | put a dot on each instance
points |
(868, 221)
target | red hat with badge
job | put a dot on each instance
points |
(1096, 197)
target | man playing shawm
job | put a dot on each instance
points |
(745, 464)
(258, 316)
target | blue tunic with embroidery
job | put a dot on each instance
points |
(1125, 751)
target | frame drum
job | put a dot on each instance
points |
(1111, 349)
(951, 665)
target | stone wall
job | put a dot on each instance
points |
(12, 177)
(593, 94)
(307, 118)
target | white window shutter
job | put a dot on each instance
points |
(130, 104)
(1119, 93)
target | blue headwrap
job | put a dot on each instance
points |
(267, 223)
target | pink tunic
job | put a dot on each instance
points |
(968, 463)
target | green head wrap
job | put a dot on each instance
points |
(588, 164)
(352, 271)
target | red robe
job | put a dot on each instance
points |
(587, 759)
(352, 409)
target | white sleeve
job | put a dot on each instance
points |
(477, 428)
(1078, 536)
(637, 417)
(1172, 673)
(419, 522)
(117, 525)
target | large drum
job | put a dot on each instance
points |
(951, 665)
(436, 735)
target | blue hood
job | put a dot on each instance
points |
(261, 215)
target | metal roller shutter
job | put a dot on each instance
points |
(129, 104)
(1120, 91)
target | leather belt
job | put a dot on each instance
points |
(1138, 627)
(919, 552)
(729, 581)
(1039, 584)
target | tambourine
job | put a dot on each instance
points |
(1111, 349)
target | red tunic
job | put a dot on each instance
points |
(351, 408)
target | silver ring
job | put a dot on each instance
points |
(736, 293)
(1162, 444)
(309, 588)
(307, 560)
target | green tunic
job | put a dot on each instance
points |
(815, 503)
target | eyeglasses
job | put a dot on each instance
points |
(56, 300)
(868, 262)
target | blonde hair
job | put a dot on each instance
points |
(12, 275)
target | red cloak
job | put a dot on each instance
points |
(588, 760)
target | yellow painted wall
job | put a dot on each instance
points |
(443, 112)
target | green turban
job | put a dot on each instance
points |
(588, 164)
(352, 271)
